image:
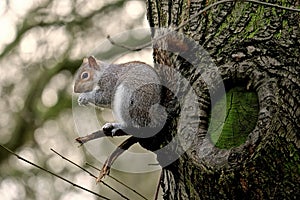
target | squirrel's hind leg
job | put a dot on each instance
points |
(115, 154)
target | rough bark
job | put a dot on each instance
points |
(257, 47)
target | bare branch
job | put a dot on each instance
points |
(85, 170)
(52, 173)
(92, 136)
(273, 5)
(227, 1)
(99, 134)
(118, 181)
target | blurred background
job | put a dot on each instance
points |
(42, 44)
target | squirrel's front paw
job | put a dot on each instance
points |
(83, 99)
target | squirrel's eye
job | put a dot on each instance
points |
(84, 75)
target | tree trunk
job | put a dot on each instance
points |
(255, 47)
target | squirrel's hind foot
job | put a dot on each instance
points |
(104, 171)
(111, 128)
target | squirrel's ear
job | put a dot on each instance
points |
(93, 63)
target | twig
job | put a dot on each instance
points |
(63, 157)
(133, 190)
(92, 136)
(138, 48)
(202, 11)
(227, 1)
(92, 166)
(58, 176)
(273, 5)
(99, 134)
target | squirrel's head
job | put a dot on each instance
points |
(86, 79)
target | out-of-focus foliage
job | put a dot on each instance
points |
(42, 43)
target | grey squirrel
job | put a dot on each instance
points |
(132, 90)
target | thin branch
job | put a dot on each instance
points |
(202, 11)
(227, 1)
(100, 134)
(52, 173)
(92, 136)
(138, 48)
(92, 166)
(63, 157)
(133, 190)
(273, 5)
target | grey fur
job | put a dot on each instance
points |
(132, 90)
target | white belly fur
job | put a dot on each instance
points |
(118, 103)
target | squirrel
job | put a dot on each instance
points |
(132, 90)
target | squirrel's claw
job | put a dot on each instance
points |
(116, 153)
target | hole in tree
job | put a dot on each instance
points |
(242, 110)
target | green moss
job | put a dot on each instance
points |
(290, 165)
(284, 24)
(257, 22)
(274, 11)
(241, 116)
(278, 35)
(231, 21)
